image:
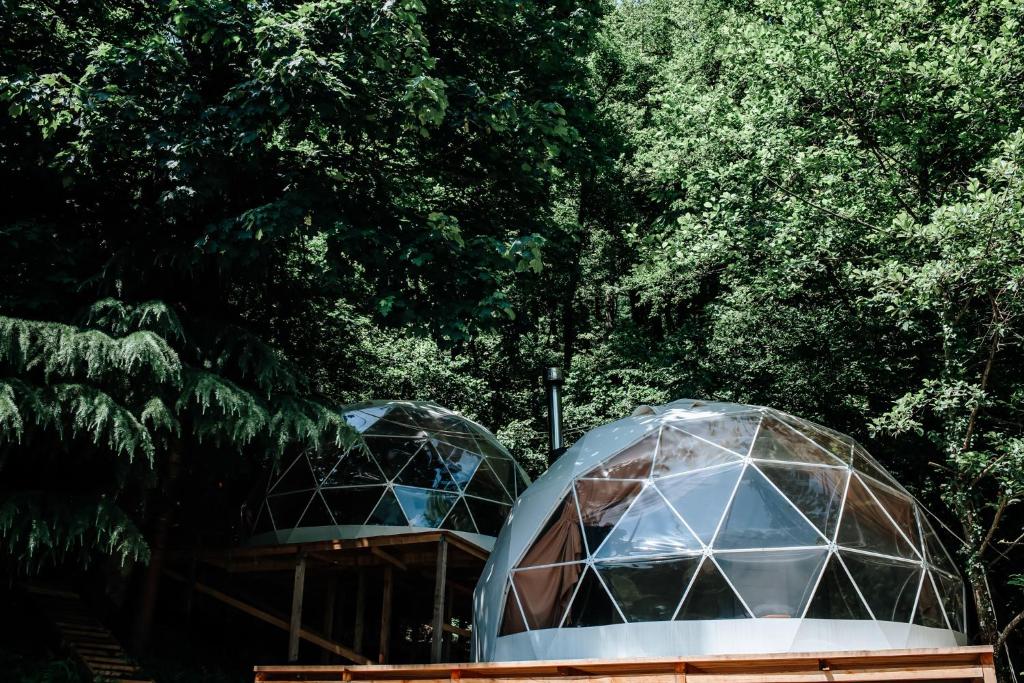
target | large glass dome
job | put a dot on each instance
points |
(415, 464)
(704, 528)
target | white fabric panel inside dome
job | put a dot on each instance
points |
(414, 464)
(708, 513)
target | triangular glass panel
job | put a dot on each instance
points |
(354, 504)
(761, 517)
(388, 512)
(839, 445)
(774, 583)
(264, 521)
(650, 527)
(505, 471)
(778, 441)
(465, 437)
(544, 592)
(287, 508)
(392, 454)
(888, 585)
(488, 445)
(317, 513)
(512, 619)
(561, 540)
(298, 477)
(427, 470)
(462, 464)
(488, 515)
(901, 509)
(864, 463)
(633, 462)
(935, 552)
(355, 468)
(679, 452)
(648, 590)
(815, 491)
(731, 432)
(396, 423)
(362, 416)
(425, 507)
(929, 610)
(700, 498)
(866, 526)
(951, 593)
(485, 484)
(459, 518)
(592, 606)
(602, 505)
(402, 414)
(836, 596)
(323, 463)
(711, 597)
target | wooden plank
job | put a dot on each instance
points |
(440, 578)
(330, 600)
(988, 662)
(295, 623)
(385, 616)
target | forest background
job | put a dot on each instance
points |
(223, 220)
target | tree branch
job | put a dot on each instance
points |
(1005, 633)
(1003, 501)
(821, 208)
(992, 350)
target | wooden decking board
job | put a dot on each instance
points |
(973, 664)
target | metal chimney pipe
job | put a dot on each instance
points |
(553, 381)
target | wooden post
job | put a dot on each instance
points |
(329, 602)
(446, 653)
(440, 578)
(295, 625)
(385, 615)
(360, 617)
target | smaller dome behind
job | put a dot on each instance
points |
(415, 464)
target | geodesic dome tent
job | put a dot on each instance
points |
(715, 528)
(415, 464)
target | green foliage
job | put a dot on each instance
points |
(212, 209)
(829, 221)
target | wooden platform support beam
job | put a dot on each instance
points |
(440, 579)
(385, 615)
(295, 624)
(278, 621)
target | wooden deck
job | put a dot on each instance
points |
(948, 664)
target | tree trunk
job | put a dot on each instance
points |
(161, 531)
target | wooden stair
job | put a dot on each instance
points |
(84, 636)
